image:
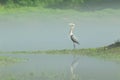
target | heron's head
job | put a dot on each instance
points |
(72, 25)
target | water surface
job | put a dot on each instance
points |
(52, 67)
(37, 31)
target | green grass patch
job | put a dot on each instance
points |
(112, 54)
(4, 60)
(103, 52)
(49, 11)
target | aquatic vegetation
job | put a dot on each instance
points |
(103, 52)
(111, 51)
(88, 51)
(4, 60)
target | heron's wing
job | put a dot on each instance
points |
(73, 38)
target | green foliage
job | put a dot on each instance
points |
(114, 45)
(8, 60)
(56, 3)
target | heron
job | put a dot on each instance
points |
(73, 38)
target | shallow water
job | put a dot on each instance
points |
(36, 31)
(57, 67)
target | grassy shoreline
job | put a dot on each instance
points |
(4, 60)
(103, 52)
(112, 54)
(49, 11)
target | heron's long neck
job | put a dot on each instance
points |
(71, 31)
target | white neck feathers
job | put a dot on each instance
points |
(71, 30)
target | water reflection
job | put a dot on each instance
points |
(52, 67)
(73, 67)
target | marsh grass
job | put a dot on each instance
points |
(4, 60)
(103, 52)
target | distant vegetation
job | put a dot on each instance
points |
(61, 3)
(114, 45)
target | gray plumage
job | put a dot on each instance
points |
(73, 38)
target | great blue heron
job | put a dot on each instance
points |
(73, 38)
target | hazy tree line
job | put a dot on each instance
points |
(55, 3)
(38, 2)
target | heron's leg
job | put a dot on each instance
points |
(74, 45)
